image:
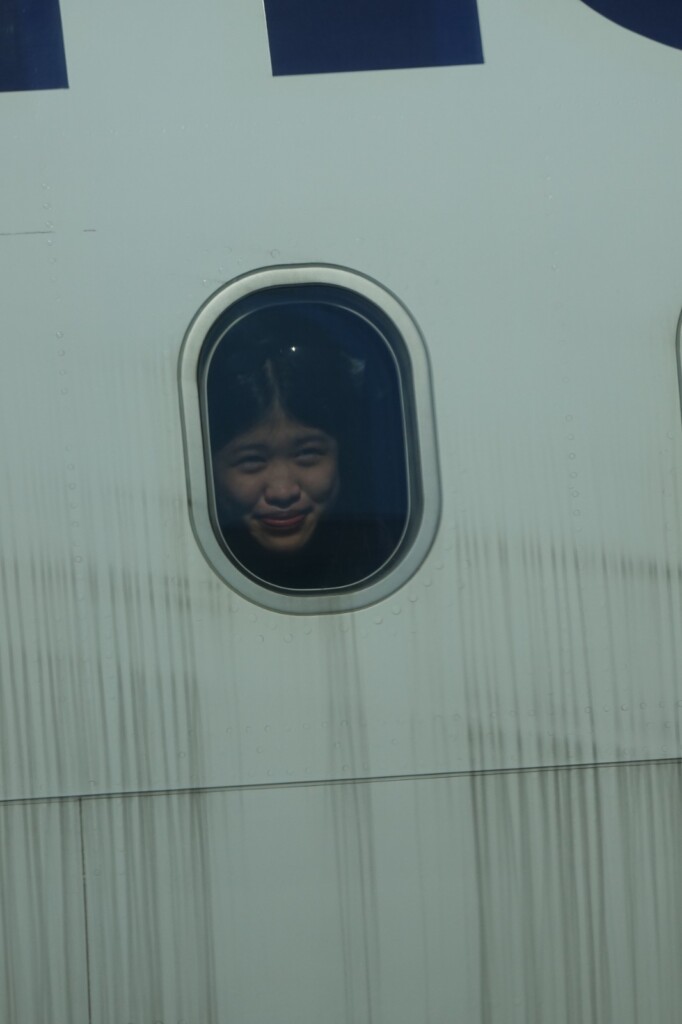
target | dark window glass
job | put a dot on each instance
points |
(305, 435)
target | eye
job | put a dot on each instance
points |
(310, 455)
(249, 463)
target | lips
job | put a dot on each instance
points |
(283, 523)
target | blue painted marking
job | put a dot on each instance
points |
(31, 46)
(660, 20)
(316, 36)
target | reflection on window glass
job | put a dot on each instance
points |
(306, 434)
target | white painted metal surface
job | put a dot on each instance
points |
(527, 212)
(43, 923)
(511, 899)
(532, 224)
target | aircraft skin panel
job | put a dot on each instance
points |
(111, 732)
(518, 898)
(375, 847)
(526, 211)
(43, 954)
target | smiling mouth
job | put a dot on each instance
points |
(283, 524)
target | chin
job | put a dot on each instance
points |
(282, 545)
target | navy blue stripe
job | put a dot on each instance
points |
(660, 20)
(314, 36)
(31, 46)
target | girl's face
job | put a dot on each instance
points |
(279, 479)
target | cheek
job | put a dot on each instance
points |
(323, 485)
(239, 490)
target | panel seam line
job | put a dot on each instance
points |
(355, 781)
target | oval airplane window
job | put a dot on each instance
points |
(309, 439)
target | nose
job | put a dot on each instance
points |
(281, 487)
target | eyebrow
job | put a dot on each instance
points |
(317, 435)
(239, 449)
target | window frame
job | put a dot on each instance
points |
(421, 456)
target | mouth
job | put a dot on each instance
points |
(284, 523)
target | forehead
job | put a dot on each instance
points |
(277, 428)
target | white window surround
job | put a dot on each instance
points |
(421, 454)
